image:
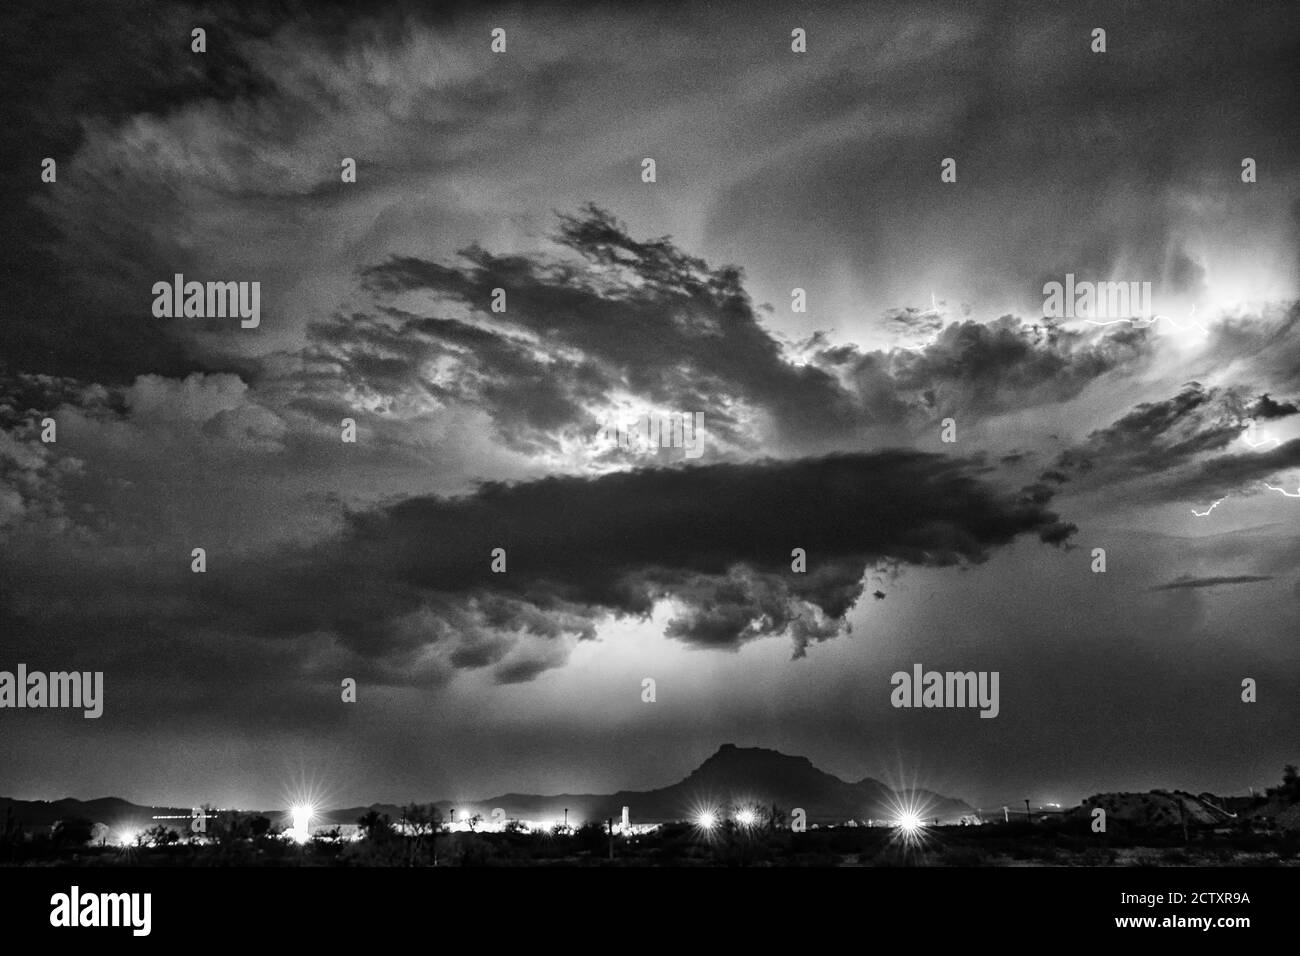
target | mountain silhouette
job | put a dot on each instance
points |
(731, 777)
(110, 811)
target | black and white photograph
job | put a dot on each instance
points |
(859, 438)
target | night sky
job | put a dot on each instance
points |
(476, 429)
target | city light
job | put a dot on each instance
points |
(302, 814)
(909, 827)
(909, 812)
(746, 818)
(706, 820)
(305, 796)
(909, 823)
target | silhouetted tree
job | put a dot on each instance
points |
(13, 833)
(422, 822)
(375, 825)
(322, 836)
(160, 835)
(590, 836)
(1291, 782)
(71, 831)
(228, 827)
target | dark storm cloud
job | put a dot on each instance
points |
(405, 594)
(130, 59)
(1243, 472)
(1190, 582)
(644, 317)
(1156, 436)
(1058, 533)
(1267, 407)
(26, 397)
(716, 539)
(640, 316)
(530, 397)
(1179, 442)
(988, 368)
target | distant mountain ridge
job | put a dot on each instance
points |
(114, 812)
(733, 775)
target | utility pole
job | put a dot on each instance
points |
(610, 823)
(1028, 816)
(566, 818)
(1006, 815)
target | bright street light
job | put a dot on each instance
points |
(302, 815)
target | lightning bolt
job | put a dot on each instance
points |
(1147, 322)
(1202, 514)
(1249, 440)
(933, 310)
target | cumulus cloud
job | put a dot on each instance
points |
(716, 540)
(408, 589)
(642, 320)
(630, 317)
(1158, 435)
(983, 369)
(1267, 407)
(1243, 472)
(1177, 446)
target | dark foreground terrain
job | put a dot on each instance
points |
(684, 844)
